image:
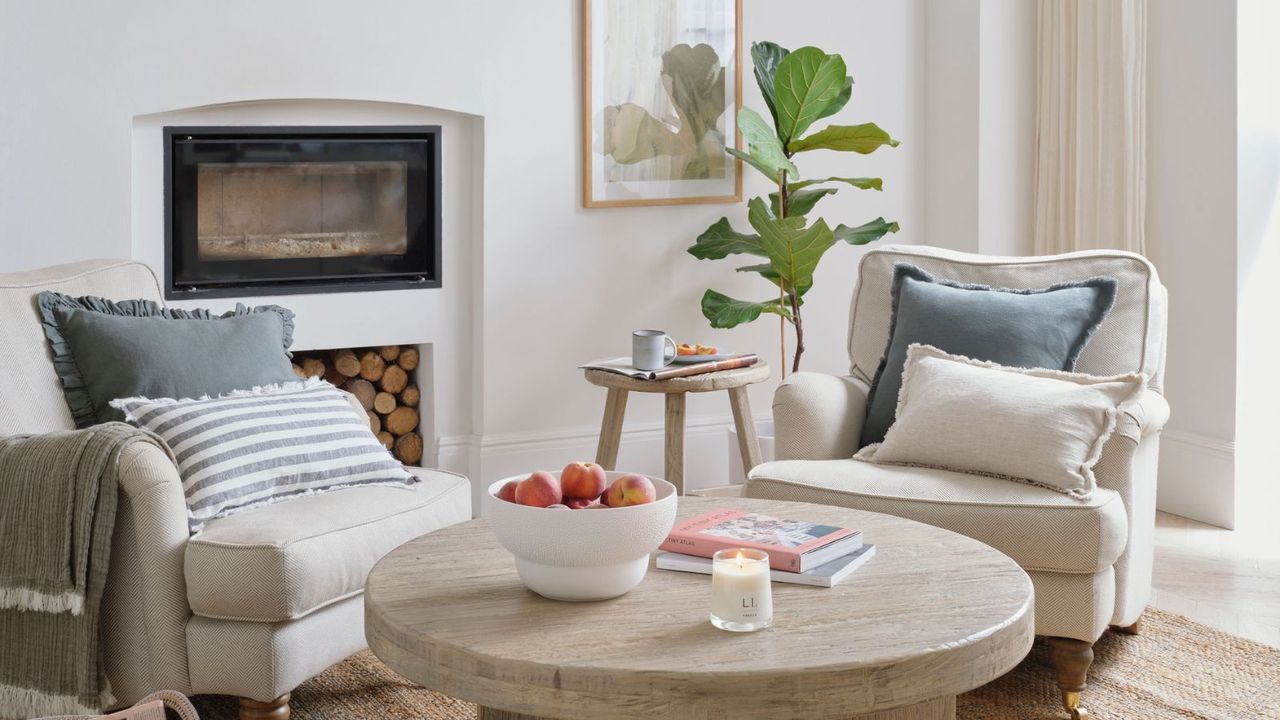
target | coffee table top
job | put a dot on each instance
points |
(702, 382)
(933, 614)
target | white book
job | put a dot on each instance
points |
(826, 575)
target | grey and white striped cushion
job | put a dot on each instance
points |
(260, 446)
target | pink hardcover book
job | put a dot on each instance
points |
(793, 545)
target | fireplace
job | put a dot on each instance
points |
(275, 210)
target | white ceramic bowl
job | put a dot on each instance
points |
(588, 554)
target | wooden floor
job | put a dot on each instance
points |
(1227, 579)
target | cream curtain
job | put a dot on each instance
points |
(1090, 189)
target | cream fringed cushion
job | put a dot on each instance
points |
(1044, 427)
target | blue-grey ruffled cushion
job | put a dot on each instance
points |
(104, 350)
(1038, 328)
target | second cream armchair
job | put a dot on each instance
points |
(1090, 561)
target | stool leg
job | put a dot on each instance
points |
(748, 443)
(615, 407)
(675, 441)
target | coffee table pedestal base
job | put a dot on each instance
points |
(939, 709)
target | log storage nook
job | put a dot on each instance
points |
(383, 380)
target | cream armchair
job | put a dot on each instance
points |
(1090, 562)
(255, 603)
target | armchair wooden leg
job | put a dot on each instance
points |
(1071, 659)
(277, 709)
(1133, 629)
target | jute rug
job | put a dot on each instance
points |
(1175, 669)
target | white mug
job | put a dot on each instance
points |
(649, 349)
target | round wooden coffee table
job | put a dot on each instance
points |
(932, 615)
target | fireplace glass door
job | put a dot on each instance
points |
(257, 211)
(272, 211)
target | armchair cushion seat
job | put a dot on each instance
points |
(1039, 528)
(287, 560)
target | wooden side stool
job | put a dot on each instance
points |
(674, 389)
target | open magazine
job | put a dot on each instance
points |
(623, 366)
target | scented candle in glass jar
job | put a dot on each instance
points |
(741, 595)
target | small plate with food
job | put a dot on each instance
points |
(688, 354)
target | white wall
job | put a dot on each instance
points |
(952, 107)
(557, 284)
(1258, 265)
(980, 104)
(1191, 237)
(1007, 126)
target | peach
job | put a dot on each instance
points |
(541, 489)
(582, 480)
(508, 491)
(577, 503)
(630, 489)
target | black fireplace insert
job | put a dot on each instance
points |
(274, 210)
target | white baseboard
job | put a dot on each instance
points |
(1197, 477)
(457, 453)
(492, 457)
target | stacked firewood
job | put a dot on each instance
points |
(381, 378)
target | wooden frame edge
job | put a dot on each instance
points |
(586, 104)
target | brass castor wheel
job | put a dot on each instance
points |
(1071, 701)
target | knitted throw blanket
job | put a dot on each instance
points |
(57, 514)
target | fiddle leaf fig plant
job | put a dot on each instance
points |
(799, 89)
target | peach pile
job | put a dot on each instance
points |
(582, 485)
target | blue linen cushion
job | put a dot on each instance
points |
(103, 350)
(1038, 328)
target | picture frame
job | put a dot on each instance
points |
(661, 91)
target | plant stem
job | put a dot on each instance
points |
(799, 324)
(782, 333)
(783, 199)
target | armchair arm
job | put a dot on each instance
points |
(818, 416)
(1144, 416)
(145, 609)
(1129, 465)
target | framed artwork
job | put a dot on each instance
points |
(661, 88)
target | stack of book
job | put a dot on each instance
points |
(805, 553)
